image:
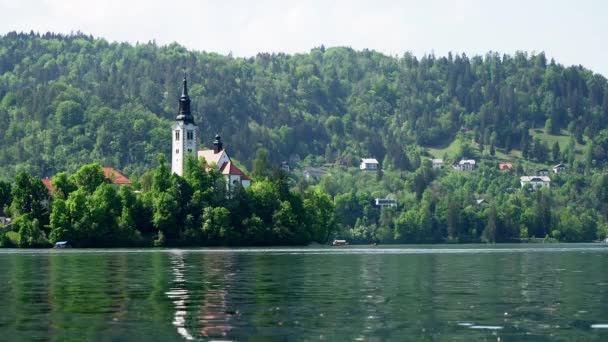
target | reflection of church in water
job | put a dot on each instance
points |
(185, 144)
(200, 298)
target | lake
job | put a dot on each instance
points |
(469, 292)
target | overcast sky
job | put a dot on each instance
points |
(572, 32)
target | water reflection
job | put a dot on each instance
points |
(214, 317)
(179, 294)
(288, 294)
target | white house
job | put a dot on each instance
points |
(465, 165)
(313, 172)
(559, 168)
(437, 163)
(386, 202)
(535, 181)
(369, 164)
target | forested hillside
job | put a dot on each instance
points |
(70, 100)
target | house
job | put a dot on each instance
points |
(47, 183)
(285, 166)
(465, 165)
(111, 175)
(481, 201)
(505, 166)
(386, 202)
(369, 164)
(437, 163)
(535, 181)
(542, 172)
(116, 177)
(5, 221)
(218, 158)
(559, 168)
(313, 172)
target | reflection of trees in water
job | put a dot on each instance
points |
(214, 316)
(210, 290)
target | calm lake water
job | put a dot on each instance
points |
(476, 292)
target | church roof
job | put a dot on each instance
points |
(115, 176)
(185, 114)
(231, 169)
(210, 156)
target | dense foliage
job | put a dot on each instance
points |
(66, 101)
(197, 209)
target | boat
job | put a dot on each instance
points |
(62, 244)
(339, 243)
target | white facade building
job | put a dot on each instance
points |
(184, 134)
(465, 165)
(369, 164)
(437, 163)
(535, 181)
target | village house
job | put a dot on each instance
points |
(505, 166)
(535, 181)
(313, 173)
(437, 163)
(465, 165)
(386, 202)
(369, 164)
(559, 168)
(285, 166)
(111, 175)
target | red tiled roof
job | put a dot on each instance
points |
(231, 169)
(505, 166)
(115, 176)
(47, 182)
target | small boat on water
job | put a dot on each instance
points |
(339, 243)
(62, 244)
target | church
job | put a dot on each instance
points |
(184, 135)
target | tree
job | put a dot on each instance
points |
(555, 152)
(261, 164)
(63, 185)
(5, 196)
(489, 232)
(88, 177)
(30, 197)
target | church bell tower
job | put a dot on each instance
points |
(184, 134)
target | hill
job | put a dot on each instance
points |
(69, 100)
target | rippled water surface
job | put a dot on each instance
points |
(511, 292)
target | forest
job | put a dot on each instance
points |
(67, 101)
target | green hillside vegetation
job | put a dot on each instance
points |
(69, 101)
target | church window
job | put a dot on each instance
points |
(177, 151)
(189, 135)
(176, 135)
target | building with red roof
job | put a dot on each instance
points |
(218, 158)
(116, 177)
(505, 166)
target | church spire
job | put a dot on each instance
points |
(184, 105)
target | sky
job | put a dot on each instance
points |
(572, 32)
